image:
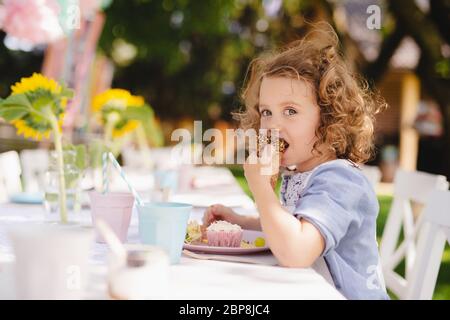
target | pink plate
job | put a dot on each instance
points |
(247, 235)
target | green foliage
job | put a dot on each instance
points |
(191, 55)
(443, 68)
(141, 114)
(14, 107)
(146, 116)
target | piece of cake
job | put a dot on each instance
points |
(280, 146)
(224, 234)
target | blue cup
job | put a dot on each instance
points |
(164, 224)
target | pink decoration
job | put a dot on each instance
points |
(32, 21)
(89, 7)
(2, 16)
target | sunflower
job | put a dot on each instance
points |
(41, 92)
(36, 108)
(35, 82)
(112, 106)
(114, 98)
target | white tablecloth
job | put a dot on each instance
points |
(192, 278)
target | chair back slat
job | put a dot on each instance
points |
(409, 187)
(10, 173)
(431, 244)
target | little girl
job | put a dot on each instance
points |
(328, 208)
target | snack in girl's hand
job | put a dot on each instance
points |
(224, 234)
(280, 146)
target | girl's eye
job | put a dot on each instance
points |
(265, 113)
(290, 112)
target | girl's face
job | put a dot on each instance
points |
(290, 106)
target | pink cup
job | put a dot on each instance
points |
(115, 209)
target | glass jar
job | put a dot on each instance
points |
(72, 176)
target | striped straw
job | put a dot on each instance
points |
(105, 172)
(122, 174)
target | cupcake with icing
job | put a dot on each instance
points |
(224, 234)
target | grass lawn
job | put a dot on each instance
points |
(442, 290)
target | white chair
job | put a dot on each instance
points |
(434, 233)
(34, 166)
(408, 187)
(9, 175)
(372, 173)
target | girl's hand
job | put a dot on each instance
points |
(219, 212)
(259, 170)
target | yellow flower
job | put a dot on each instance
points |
(34, 124)
(112, 97)
(116, 101)
(136, 101)
(35, 82)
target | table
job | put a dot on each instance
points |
(192, 278)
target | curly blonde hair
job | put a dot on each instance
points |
(347, 106)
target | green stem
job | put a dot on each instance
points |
(60, 163)
(109, 126)
(111, 121)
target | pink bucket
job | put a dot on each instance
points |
(115, 209)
